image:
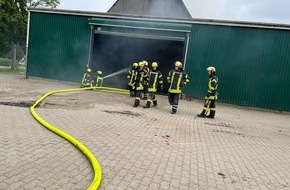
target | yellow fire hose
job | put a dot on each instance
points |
(94, 162)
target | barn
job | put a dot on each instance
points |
(252, 59)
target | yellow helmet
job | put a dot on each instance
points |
(89, 70)
(145, 63)
(141, 64)
(212, 69)
(99, 72)
(135, 65)
(154, 64)
(178, 64)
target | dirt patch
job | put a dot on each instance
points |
(221, 174)
(220, 125)
(122, 113)
(166, 137)
(18, 104)
(229, 132)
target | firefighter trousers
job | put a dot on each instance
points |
(132, 91)
(151, 98)
(209, 106)
(137, 98)
(173, 99)
(145, 91)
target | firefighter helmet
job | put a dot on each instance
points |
(89, 70)
(178, 64)
(212, 69)
(99, 72)
(141, 64)
(145, 63)
(154, 64)
(135, 65)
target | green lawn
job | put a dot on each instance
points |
(8, 70)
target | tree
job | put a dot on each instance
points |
(13, 16)
(43, 3)
(13, 24)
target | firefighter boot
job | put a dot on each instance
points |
(147, 105)
(202, 114)
(211, 115)
(137, 102)
(154, 103)
(174, 109)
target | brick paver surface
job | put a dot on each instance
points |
(137, 148)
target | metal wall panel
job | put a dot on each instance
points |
(58, 46)
(252, 65)
(162, 26)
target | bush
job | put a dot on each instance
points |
(5, 62)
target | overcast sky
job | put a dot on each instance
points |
(275, 11)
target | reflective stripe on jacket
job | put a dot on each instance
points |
(177, 79)
(86, 79)
(155, 79)
(212, 87)
(132, 73)
(138, 81)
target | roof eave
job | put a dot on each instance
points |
(162, 19)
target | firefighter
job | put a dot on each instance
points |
(177, 78)
(132, 73)
(211, 97)
(97, 79)
(147, 70)
(154, 80)
(138, 83)
(86, 82)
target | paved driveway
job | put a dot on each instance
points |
(137, 148)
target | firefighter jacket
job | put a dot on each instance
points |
(86, 79)
(131, 75)
(146, 76)
(212, 87)
(177, 79)
(99, 80)
(147, 70)
(138, 82)
(154, 80)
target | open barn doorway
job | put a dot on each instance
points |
(112, 53)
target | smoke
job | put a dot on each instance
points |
(114, 55)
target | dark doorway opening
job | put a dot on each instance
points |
(113, 53)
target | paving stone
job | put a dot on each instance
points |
(137, 148)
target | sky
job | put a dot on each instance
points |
(270, 11)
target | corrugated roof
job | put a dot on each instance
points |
(155, 18)
(158, 8)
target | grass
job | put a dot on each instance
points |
(4, 70)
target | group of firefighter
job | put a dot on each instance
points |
(145, 82)
(92, 79)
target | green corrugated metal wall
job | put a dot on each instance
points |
(58, 46)
(252, 65)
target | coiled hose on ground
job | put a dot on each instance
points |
(94, 162)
